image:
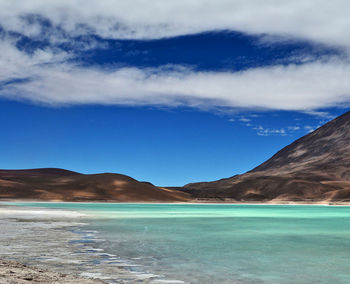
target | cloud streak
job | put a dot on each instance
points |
(51, 79)
(318, 20)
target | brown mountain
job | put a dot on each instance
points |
(315, 167)
(62, 185)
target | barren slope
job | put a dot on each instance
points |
(315, 167)
(63, 185)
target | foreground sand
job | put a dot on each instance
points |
(57, 243)
(12, 272)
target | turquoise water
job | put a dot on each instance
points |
(209, 243)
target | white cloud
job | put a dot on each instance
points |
(318, 20)
(293, 128)
(264, 131)
(310, 128)
(244, 119)
(55, 81)
(261, 131)
(322, 114)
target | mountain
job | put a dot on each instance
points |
(62, 185)
(315, 167)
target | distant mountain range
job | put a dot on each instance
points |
(314, 168)
(61, 185)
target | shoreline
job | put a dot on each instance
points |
(192, 202)
(15, 272)
(44, 244)
(56, 241)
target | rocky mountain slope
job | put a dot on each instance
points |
(62, 185)
(315, 167)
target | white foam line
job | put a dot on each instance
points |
(26, 213)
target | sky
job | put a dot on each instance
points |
(167, 92)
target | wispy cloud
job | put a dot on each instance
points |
(321, 114)
(53, 79)
(244, 119)
(253, 121)
(293, 128)
(316, 20)
(283, 131)
(261, 131)
(310, 128)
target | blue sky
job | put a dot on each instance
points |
(168, 93)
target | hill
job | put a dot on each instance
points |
(62, 185)
(314, 168)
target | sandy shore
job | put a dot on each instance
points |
(12, 272)
(57, 243)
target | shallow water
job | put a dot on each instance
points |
(212, 243)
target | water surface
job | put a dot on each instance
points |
(223, 243)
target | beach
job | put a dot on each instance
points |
(15, 272)
(51, 246)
